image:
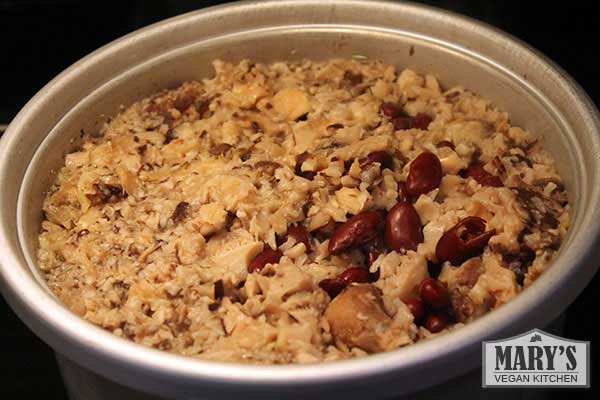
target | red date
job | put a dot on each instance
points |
(484, 178)
(403, 227)
(463, 241)
(267, 256)
(357, 231)
(424, 175)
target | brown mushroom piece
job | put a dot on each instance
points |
(357, 318)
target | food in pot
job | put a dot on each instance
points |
(300, 212)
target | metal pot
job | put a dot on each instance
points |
(538, 95)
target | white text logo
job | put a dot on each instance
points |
(536, 358)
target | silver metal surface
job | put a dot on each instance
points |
(537, 94)
(83, 384)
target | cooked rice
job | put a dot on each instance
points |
(151, 225)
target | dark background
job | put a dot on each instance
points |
(40, 38)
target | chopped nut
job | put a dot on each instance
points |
(105, 193)
(357, 318)
(181, 212)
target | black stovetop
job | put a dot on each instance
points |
(39, 38)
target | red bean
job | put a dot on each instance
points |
(217, 150)
(300, 235)
(436, 322)
(417, 309)
(355, 274)
(267, 256)
(445, 143)
(401, 123)
(105, 193)
(421, 121)
(374, 276)
(335, 126)
(180, 212)
(202, 107)
(334, 286)
(403, 228)
(218, 290)
(184, 101)
(463, 241)
(484, 178)
(403, 195)
(434, 294)
(424, 175)
(382, 157)
(267, 167)
(300, 158)
(356, 231)
(352, 78)
(373, 249)
(434, 269)
(390, 110)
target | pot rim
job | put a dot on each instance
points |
(89, 344)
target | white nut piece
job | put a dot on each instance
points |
(291, 103)
(357, 318)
